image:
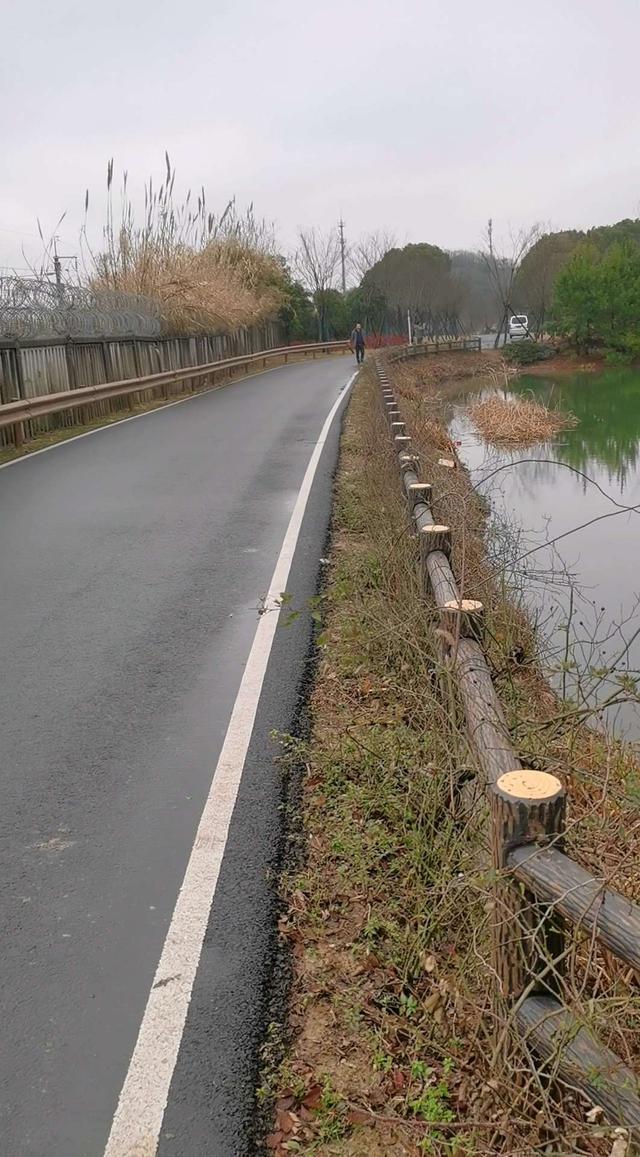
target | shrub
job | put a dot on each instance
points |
(618, 357)
(597, 299)
(526, 353)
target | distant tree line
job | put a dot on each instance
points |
(585, 286)
(446, 293)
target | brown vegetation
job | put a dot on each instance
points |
(388, 917)
(204, 272)
(517, 422)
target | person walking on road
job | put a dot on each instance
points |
(357, 343)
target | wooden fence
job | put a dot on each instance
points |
(33, 369)
(22, 420)
(540, 891)
(437, 345)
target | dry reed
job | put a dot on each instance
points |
(204, 271)
(520, 422)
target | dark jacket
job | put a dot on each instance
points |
(357, 339)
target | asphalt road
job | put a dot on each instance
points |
(132, 565)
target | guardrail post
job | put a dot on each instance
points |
(527, 807)
(18, 428)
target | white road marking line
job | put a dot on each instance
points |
(135, 1131)
(147, 413)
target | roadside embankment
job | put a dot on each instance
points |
(391, 1046)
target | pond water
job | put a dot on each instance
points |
(566, 535)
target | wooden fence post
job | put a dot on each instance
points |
(419, 492)
(527, 807)
(435, 536)
(18, 428)
(463, 618)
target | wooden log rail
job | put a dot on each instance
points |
(539, 890)
(460, 619)
(436, 346)
(580, 898)
(18, 413)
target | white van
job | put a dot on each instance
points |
(518, 326)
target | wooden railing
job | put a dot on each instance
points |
(540, 891)
(17, 415)
(436, 345)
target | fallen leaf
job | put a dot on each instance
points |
(312, 1097)
(358, 1117)
(433, 1002)
(286, 1121)
(368, 964)
(273, 1140)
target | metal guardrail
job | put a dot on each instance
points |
(539, 891)
(23, 410)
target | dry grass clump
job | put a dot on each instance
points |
(195, 291)
(205, 272)
(520, 422)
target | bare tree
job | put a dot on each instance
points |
(316, 262)
(503, 267)
(368, 250)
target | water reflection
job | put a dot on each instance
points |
(570, 547)
(607, 405)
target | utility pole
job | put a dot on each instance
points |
(57, 267)
(342, 258)
(58, 258)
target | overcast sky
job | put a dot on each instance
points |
(417, 116)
